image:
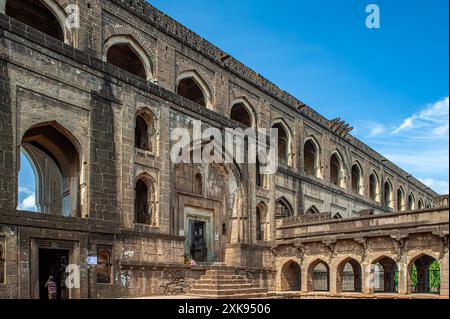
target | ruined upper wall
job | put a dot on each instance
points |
(174, 29)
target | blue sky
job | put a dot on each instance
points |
(390, 83)
(379, 80)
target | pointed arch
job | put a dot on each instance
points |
(349, 276)
(312, 157)
(421, 204)
(374, 187)
(411, 202)
(385, 275)
(284, 141)
(312, 211)
(337, 216)
(318, 276)
(283, 208)
(46, 16)
(123, 51)
(401, 205)
(357, 179)
(291, 276)
(145, 130)
(262, 223)
(242, 112)
(54, 154)
(145, 203)
(424, 275)
(388, 194)
(337, 169)
(191, 85)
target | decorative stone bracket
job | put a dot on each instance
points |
(400, 241)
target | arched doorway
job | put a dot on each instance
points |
(192, 87)
(311, 159)
(349, 276)
(424, 274)
(123, 56)
(284, 143)
(357, 179)
(145, 202)
(242, 113)
(385, 275)
(283, 208)
(336, 171)
(291, 276)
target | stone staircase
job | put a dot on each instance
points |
(226, 284)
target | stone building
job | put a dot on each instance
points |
(92, 107)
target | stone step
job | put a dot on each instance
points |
(220, 272)
(227, 292)
(199, 286)
(207, 281)
(223, 277)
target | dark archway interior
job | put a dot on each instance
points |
(387, 194)
(240, 114)
(373, 187)
(386, 276)
(291, 277)
(142, 211)
(425, 277)
(190, 89)
(356, 176)
(310, 155)
(283, 146)
(122, 56)
(335, 168)
(141, 134)
(36, 15)
(400, 200)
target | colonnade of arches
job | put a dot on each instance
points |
(423, 276)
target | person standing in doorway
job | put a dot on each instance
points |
(51, 287)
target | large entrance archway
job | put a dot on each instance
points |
(385, 275)
(349, 276)
(424, 275)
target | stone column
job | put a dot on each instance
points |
(304, 278)
(2, 6)
(333, 278)
(402, 277)
(444, 263)
(367, 279)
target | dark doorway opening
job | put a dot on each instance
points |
(53, 262)
(198, 241)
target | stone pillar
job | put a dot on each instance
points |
(333, 277)
(304, 278)
(402, 277)
(367, 279)
(2, 6)
(444, 263)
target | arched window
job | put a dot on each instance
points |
(124, 57)
(421, 204)
(145, 202)
(411, 202)
(388, 195)
(385, 275)
(144, 131)
(261, 222)
(192, 87)
(357, 179)
(349, 276)
(312, 211)
(425, 275)
(283, 208)
(124, 52)
(284, 146)
(198, 184)
(291, 277)
(400, 200)
(337, 216)
(2, 265)
(311, 159)
(336, 171)
(240, 112)
(56, 165)
(319, 274)
(373, 188)
(38, 15)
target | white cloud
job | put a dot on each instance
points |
(377, 130)
(419, 144)
(433, 119)
(29, 203)
(442, 187)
